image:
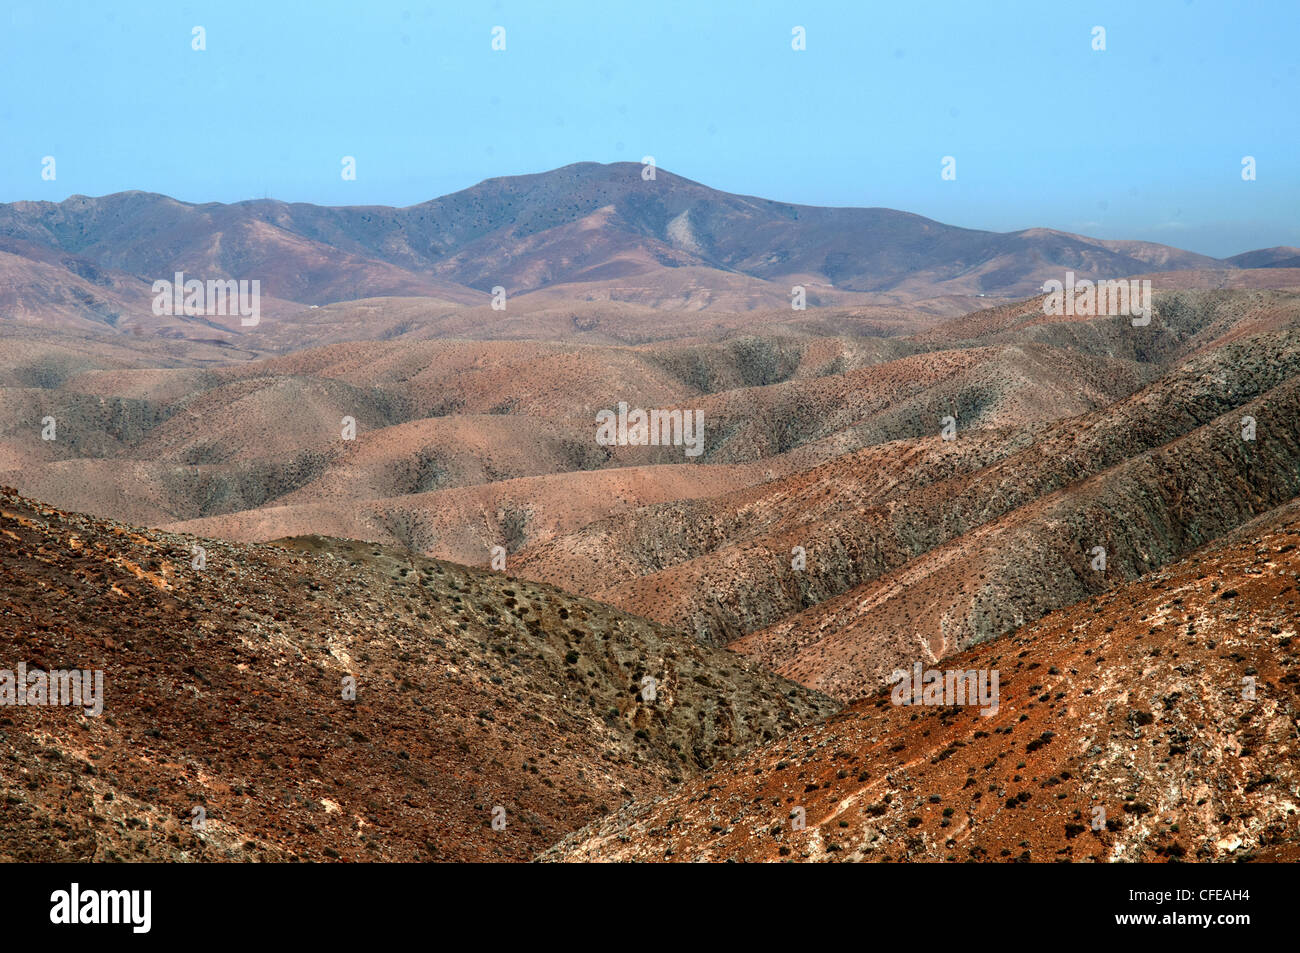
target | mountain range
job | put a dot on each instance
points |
(584, 232)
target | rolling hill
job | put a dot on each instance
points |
(224, 692)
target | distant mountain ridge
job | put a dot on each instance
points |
(589, 227)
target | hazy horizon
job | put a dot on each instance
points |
(364, 204)
(1142, 140)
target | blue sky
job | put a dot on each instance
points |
(1143, 140)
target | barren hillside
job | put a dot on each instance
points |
(223, 690)
(1155, 722)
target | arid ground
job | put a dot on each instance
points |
(364, 583)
